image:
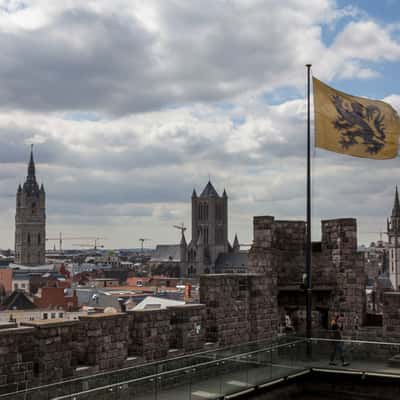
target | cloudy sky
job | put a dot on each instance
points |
(131, 104)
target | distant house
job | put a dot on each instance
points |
(6, 276)
(17, 300)
(21, 281)
(56, 298)
(157, 303)
(232, 262)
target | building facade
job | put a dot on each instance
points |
(393, 231)
(30, 221)
(209, 232)
(209, 250)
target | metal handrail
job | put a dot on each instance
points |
(183, 369)
(189, 368)
(193, 355)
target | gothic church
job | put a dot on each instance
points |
(209, 233)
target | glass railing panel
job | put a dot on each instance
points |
(321, 351)
(282, 361)
(260, 367)
(367, 356)
(206, 381)
(140, 389)
(363, 356)
(235, 374)
(174, 385)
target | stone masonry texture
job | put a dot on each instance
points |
(234, 309)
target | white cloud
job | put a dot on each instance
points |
(124, 57)
(131, 104)
(366, 40)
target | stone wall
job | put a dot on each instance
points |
(243, 307)
(149, 333)
(102, 340)
(16, 358)
(289, 243)
(263, 285)
(391, 315)
(53, 349)
(45, 351)
(187, 327)
(226, 297)
(339, 245)
(338, 275)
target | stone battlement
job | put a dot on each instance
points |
(40, 352)
(234, 309)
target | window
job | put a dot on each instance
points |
(39, 239)
(23, 285)
(15, 286)
(29, 239)
(45, 315)
(33, 208)
(53, 315)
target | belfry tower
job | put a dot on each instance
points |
(393, 231)
(30, 221)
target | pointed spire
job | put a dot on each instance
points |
(200, 241)
(209, 191)
(183, 239)
(31, 167)
(224, 194)
(236, 245)
(30, 185)
(194, 194)
(19, 188)
(396, 206)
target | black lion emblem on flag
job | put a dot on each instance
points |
(359, 124)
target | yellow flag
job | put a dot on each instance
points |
(355, 126)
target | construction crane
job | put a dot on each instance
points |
(61, 238)
(93, 245)
(181, 227)
(142, 240)
(380, 233)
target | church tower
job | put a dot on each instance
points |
(30, 221)
(209, 225)
(393, 230)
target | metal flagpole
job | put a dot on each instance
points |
(308, 226)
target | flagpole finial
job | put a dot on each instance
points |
(308, 65)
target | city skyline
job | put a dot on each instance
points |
(128, 115)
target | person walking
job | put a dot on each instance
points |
(338, 350)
